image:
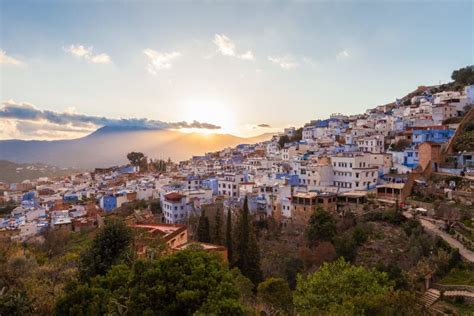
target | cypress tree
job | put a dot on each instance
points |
(203, 233)
(248, 254)
(218, 228)
(228, 237)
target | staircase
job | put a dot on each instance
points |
(430, 297)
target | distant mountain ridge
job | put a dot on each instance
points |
(109, 145)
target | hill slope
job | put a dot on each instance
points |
(109, 146)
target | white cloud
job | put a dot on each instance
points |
(226, 47)
(284, 62)
(80, 51)
(158, 61)
(247, 56)
(342, 55)
(101, 59)
(8, 60)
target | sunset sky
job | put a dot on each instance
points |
(67, 67)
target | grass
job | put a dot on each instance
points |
(458, 277)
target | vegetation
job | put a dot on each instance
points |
(321, 226)
(111, 245)
(401, 145)
(201, 285)
(203, 231)
(464, 76)
(276, 295)
(340, 288)
(295, 138)
(246, 250)
(459, 276)
(228, 237)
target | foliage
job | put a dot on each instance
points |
(200, 283)
(341, 288)
(217, 238)
(275, 294)
(14, 302)
(247, 251)
(135, 158)
(228, 238)
(293, 266)
(203, 231)
(110, 246)
(464, 142)
(452, 120)
(464, 76)
(286, 139)
(401, 145)
(321, 226)
(185, 283)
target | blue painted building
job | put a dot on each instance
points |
(293, 179)
(108, 202)
(432, 135)
(212, 184)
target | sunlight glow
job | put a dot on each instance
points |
(209, 110)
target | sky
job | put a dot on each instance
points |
(239, 67)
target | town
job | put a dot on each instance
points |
(414, 155)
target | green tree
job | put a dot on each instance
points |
(275, 294)
(464, 76)
(321, 226)
(247, 251)
(218, 228)
(228, 238)
(185, 283)
(135, 158)
(341, 288)
(110, 246)
(203, 231)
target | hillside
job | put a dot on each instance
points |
(13, 172)
(109, 146)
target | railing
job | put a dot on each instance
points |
(452, 287)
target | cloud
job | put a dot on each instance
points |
(73, 121)
(264, 125)
(342, 55)
(285, 62)
(8, 60)
(226, 47)
(86, 53)
(158, 61)
(247, 56)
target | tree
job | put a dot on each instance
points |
(200, 284)
(247, 252)
(275, 294)
(228, 238)
(110, 246)
(203, 232)
(464, 76)
(218, 228)
(341, 288)
(321, 226)
(283, 140)
(135, 158)
(189, 282)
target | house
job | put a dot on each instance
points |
(372, 144)
(174, 208)
(432, 135)
(229, 184)
(353, 171)
(108, 202)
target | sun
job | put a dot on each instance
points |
(208, 110)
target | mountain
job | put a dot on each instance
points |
(109, 145)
